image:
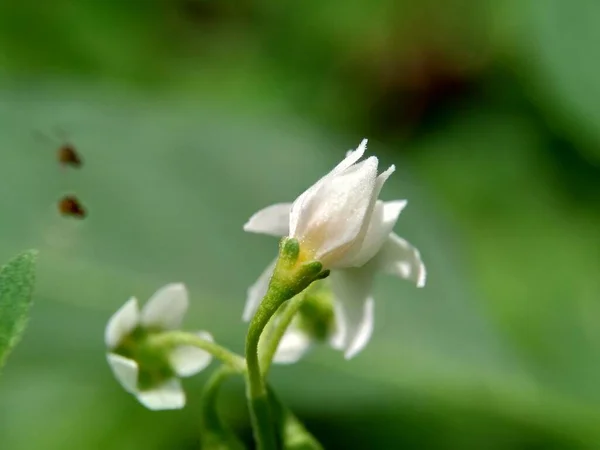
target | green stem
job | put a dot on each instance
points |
(210, 418)
(215, 434)
(290, 277)
(257, 391)
(284, 318)
(172, 339)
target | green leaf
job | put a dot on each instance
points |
(17, 278)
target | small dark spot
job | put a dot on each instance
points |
(68, 156)
(70, 206)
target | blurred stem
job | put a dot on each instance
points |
(284, 318)
(215, 434)
(293, 433)
(172, 339)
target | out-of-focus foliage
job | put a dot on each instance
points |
(192, 114)
(16, 289)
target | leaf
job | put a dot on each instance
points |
(17, 278)
(560, 42)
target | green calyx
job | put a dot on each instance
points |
(153, 363)
(292, 275)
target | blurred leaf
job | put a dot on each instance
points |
(560, 41)
(17, 279)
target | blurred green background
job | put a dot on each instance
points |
(192, 114)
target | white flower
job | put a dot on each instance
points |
(150, 375)
(340, 222)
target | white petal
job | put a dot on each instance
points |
(168, 395)
(257, 291)
(122, 323)
(353, 306)
(332, 220)
(297, 212)
(293, 345)
(384, 218)
(187, 360)
(351, 256)
(166, 308)
(273, 220)
(125, 371)
(352, 157)
(364, 331)
(399, 258)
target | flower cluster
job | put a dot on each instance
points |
(336, 236)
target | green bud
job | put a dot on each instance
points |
(316, 315)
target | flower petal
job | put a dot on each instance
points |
(349, 256)
(297, 213)
(257, 291)
(293, 345)
(122, 323)
(168, 395)
(399, 258)
(364, 331)
(352, 156)
(273, 220)
(332, 219)
(384, 218)
(125, 371)
(187, 360)
(166, 308)
(353, 306)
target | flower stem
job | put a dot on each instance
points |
(176, 338)
(285, 317)
(290, 277)
(215, 434)
(257, 391)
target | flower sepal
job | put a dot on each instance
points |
(293, 274)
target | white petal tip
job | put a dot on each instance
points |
(187, 360)
(167, 307)
(294, 344)
(122, 323)
(125, 371)
(359, 152)
(169, 395)
(422, 276)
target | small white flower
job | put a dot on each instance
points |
(340, 222)
(152, 376)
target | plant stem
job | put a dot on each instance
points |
(176, 338)
(257, 391)
(290, 277)
(215, 434)
(284, 318)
